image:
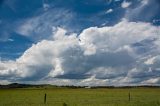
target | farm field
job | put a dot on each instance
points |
(80, 97)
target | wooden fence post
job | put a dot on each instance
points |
(129, 96)
(45, 98)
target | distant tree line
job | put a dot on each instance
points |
(17, 85)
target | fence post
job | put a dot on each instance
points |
(45, 98)
(129, 96)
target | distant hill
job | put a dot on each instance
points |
(17, 85)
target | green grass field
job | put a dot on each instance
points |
(80, 97)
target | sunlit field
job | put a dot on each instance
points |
(80, 97)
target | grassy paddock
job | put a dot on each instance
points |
(80, 97)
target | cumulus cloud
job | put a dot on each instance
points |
(126, 53)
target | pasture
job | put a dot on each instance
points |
(80, 97)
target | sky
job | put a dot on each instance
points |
(80, 42)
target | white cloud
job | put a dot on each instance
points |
(123, 33)
(92, 81)
(152, 81)
(109, 11)
(40, 27)
(9, 69)
(4, 82)
(125, 4)
(98, 56)
(145, 11)
(144, 2)
(11, 40)
(150, 61)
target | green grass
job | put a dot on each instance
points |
(80, 97)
